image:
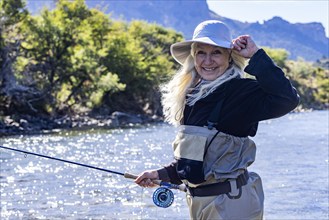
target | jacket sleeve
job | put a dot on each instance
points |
(278, 95)
(168, 174)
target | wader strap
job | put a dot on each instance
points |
(219, 188)
(214, 116)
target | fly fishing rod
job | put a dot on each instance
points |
(162, 197)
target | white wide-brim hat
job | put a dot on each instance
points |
(211, 32)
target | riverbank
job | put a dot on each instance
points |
(27, 124)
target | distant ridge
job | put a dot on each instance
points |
(305, 40)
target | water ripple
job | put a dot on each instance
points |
(37, 188)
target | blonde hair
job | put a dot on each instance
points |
(175, 91)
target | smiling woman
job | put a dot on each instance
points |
(209, 100)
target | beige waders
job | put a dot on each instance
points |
(248, 206)
(229, 191)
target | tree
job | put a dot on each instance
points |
(139, 54)
(12, 13)
(63, 49)
(79, 59)
(278, 55)
(312, 83)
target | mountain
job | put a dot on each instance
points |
(306, 40)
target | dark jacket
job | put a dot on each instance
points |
(246, 102)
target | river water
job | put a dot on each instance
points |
(292, 159)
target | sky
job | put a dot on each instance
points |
(298, 11)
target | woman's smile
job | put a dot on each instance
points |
(209, 69)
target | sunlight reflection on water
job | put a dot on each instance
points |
(292, 160)
(33, 187)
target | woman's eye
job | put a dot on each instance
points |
(217, 52)
(200, 52)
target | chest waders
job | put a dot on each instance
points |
(213, 166)
(190, 147)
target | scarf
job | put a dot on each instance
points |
(204, 87)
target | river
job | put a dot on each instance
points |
(292, 159)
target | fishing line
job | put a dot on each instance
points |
(162, 197)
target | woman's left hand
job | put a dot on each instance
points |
(145, 179)
(245, 46)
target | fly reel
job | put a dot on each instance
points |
(163, 197)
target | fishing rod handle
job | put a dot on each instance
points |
(181, 187)
(132, 176)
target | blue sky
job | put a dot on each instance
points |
(298, 11)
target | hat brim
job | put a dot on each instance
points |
(181, 50)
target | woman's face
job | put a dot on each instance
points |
(210, 61)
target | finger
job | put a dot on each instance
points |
(239, 45)
(242, 45)
(140, 178)
(245, 37)
(144, 183)
(241, 40)
(147, 183)
(150, 183)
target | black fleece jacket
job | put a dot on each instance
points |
(246, 102)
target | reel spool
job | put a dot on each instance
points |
(163, 197)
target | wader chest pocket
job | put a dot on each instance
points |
(189, 152)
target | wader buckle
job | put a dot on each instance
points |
(211, 125)
(235, 191)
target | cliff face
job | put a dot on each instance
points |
(180, 15)
(306, 40)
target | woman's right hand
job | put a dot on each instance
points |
(245, 46)
(145, 179)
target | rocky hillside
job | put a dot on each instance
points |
(306, 40)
